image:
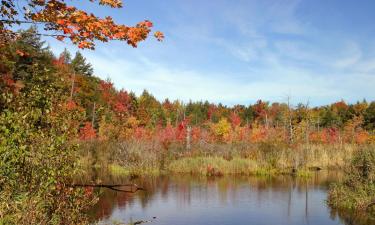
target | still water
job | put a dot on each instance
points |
(229, 200)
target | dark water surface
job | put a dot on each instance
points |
(229, 200)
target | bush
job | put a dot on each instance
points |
(357, 191)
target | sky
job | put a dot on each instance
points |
(236, 52)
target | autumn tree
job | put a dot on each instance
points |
(36, 157)
(38, 119)
(65, 57)
(222, 129)
(150, 111)
(63, 21)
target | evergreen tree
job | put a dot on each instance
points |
(369, 116)
(65, 56)
(80, 65)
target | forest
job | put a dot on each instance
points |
(54, 110)
(59, 120)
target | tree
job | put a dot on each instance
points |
(63, 21)
(150, 111)
(65, 57)
(369, 116)
(36, 157)
(80, 65)
(222, 129)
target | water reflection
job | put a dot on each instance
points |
(184, 199)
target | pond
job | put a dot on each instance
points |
(228, 200)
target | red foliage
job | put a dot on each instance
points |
(166, 136)
(330, 135)
(119, 107)
(8, 80)
(235, 119)
(181, 130)
(142, 133)
(89, 191)
(211, 111)
(341, 105)
(122, 102)
(260, 109)
(71, 105)
(87, 132)
(107, 91)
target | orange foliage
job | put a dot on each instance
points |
(362, 137)
(87, 132)
(235, 120)
(196, 134)
(81, 27)
(258, 134)
(71, 105)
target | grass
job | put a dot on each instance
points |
(149, 158)
(205, 165)
(355, 198)
(118, 170)
(357, 191)
(210, 166)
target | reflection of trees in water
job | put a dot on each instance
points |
(227, 189)
(351, 218)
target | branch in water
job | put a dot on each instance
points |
(116, 187)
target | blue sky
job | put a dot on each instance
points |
(236, 52)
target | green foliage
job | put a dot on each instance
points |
(37, 161)
(369, 117)
(149, 111)
(357, 191)
(80, 66)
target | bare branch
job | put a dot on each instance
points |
(116, 187)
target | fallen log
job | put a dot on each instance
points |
(130, 188)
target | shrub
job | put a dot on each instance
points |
(357, 191)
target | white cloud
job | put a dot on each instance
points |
(165, 81)
(254, 34)
(349, 55)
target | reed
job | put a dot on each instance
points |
(141, 158)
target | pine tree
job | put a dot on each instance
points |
(80, 65)
(65, 56)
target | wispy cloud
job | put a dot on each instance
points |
(229, 52)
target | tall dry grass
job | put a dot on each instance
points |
(140, 157)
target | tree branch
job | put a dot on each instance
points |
(21, 21)
(116, 187)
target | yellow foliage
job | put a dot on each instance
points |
(371, 139)
(222, 129)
